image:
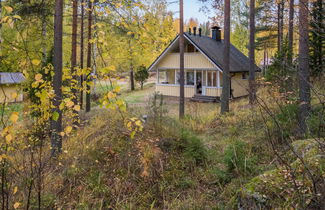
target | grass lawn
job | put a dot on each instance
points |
(139, 99)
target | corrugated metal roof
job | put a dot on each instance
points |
(214, 50)
(11, 78)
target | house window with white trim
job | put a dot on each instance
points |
(162, 77)
(189, 77)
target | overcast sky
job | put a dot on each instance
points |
(191, 9)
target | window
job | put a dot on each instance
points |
(190, 78)
(162, 77)
(209, 78)
(244, 75)
(178, 75)
(215, 79)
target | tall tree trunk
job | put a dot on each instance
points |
(132, 77)
(280, 24)
(56, 125)
(226, 53)
(181, 61)
(74, 57)
(251, 79)
(0, 21)
(89, 55)
(44, 47)
(82, 51)
(131, 64)
(264, 60)
(303, 67)
(290, 32)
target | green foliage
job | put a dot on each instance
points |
(141, 75)
(192, 147)
(280, 71)
(239, 38)
(316, 121)
(316, 40)
(285, 122)
(238, 161)
(297, 189)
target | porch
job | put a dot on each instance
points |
(206, 82)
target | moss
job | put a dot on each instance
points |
(283, 187)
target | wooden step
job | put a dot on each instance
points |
(206, 99)
(203, 100)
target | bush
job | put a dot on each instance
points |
(316, 121)
(285, 123)
(237, 159)
(238, 163)
(192, 147)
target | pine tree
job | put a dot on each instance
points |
(56, 124)
(251, 80)
(317, 40)
(303, 67)
(226, 74)
(90, 8)
(74, 56)
(82, 51)
(181, 57)
(290, 31)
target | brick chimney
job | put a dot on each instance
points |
(216, 33)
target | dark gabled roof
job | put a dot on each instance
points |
(11, 78)
(214, 50)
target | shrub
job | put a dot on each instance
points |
(141, 75)
(285, 123)
(192, 147)
(286, 120)
(237, 159)
(316, 121)
(238, 162)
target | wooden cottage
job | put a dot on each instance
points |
(10, 84)
(203, 64)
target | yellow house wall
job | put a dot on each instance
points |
(174, 90)
(239, 86)
(7, 91)
(191, 60)
(189, 91)
(213, 91)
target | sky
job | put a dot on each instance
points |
(191, 9)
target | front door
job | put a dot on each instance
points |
(199, 89)
(200, 83)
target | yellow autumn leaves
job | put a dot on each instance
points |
(134, 125)
(7, 132)
(8, 18)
